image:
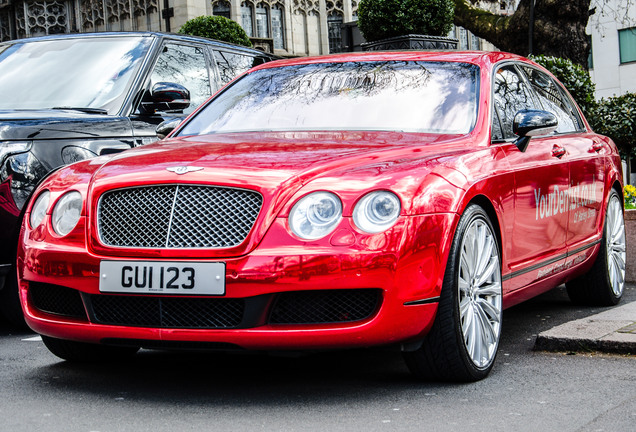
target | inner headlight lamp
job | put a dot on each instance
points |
(66, 213)
(376, 211)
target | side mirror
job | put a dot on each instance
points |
(530, 123)
(167, 97)
(164, 128)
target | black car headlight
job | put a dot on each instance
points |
(21, 168)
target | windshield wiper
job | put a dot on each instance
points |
(82, 109)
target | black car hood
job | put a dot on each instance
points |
(60, 124)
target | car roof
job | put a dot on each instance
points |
(161, 35)
(481, 58)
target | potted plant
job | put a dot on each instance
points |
(406, 24)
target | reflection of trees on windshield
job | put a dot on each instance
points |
(389, 95)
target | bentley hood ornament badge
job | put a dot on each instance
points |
(184, 169)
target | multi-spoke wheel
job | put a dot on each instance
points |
(479, 283)
(603, 285)
(463, 342)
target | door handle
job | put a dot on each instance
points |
(597, 147)
(558, 151)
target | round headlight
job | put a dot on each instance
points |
(66, 213)
(376, 211)
(315, 215)
(38, 211)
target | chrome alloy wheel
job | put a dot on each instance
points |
(615, 237)
(479, 284)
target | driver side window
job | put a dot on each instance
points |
(511, 94)
(185, 65)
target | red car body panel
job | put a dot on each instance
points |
(548, 213)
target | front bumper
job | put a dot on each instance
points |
(402, 276)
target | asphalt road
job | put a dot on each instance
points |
(362, 390)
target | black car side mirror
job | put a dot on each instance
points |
(164, 128)
(167, 97)
(529, 123)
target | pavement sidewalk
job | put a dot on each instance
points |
(611, 331)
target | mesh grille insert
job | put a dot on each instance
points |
(177, 216)
(57, 300)
(164, 312)
(325, 306)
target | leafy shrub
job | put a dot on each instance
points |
(381, 19)
(576, 79)
(216, 27)
(616, 118)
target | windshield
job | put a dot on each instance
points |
(407, 96)
(87, 73)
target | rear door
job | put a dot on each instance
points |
(586, 159)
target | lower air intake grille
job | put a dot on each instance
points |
(166, 312)
(57, 300)
(328, 306)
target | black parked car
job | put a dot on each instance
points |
(72, 97)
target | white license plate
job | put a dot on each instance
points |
(160, 277)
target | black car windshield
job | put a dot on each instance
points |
(93, 72)
(409, 96)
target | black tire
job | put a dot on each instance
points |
(10, 306)
(444, 354)
(86, 352)
(604, 283)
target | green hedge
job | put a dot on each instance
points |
(576, 79)
(381, 19)
(216, 27)
(616, 118)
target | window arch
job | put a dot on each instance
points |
(222, 8)
(262, 20)
(278, 26)
(247, 18)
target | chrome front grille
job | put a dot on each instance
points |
(177, 216)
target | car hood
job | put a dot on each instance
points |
(269, 161)
(279, 166)
(59, 124)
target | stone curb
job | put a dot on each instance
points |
(611, 331)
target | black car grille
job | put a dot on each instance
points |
(296, 307)
(321, 307)
(57, 300)
(167, 312)
(177, 216)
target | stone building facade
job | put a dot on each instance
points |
(285, 27)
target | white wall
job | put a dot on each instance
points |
(611, 77)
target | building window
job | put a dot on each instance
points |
(334, 27)
(262, 21)
(246, 19)
(627, 44)
(474, 42)
(463, 38)
(590, 57)
(221, 8)
(277, 27)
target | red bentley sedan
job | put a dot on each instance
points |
(342, 201)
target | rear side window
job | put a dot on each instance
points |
(553, 99)
(232, 64)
